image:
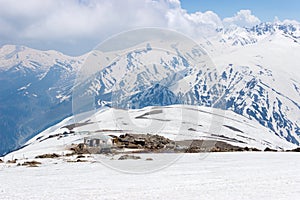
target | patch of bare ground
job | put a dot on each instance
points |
(12, 161)
(270, 150)
(53, 155)
(129, 157)
(31, 163)
(77, 161)
(294, 150)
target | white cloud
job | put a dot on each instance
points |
(243, 18)
(76, 26)
(193, 24)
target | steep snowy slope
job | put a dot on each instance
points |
(261, 82)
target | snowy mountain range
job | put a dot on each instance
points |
(257, 76)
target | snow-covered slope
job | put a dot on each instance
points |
(261, 80)
(243, 175)
(176, 122)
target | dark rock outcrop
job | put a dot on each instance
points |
(31, 163)
(294, 150)
(12, 161)
(198, 146)
(129, 157)
(141, 141)
(270, 150)
(53, 155)
(80, 149)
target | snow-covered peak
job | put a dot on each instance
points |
(12, 55)
(286, 27)
(233, 37)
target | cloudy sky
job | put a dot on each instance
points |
(76, 26)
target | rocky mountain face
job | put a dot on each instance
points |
(256, 74)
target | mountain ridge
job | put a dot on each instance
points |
(31, 86)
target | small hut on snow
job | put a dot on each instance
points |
(99, 143)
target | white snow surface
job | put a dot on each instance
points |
(216, 176)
